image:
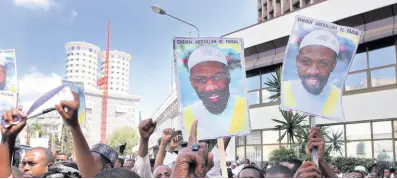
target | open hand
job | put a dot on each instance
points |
(8, 118)
(190, 163)
(70, 117)
(308, 170)
(146, 128)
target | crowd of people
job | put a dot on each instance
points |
(193, 161)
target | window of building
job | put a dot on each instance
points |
(73, 48)
(358, 131)
(90, 49)
(78, 53)
(373, 66)
(78, 48)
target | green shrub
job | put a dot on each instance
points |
(348, 164)
(284, 154)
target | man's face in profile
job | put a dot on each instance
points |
(211, 81)
(315, 63)
(3, 75)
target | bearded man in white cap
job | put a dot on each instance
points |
(316, 60)
(3, 73)
(210, 77)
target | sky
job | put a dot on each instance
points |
(39, 29)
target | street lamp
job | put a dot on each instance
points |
(160, 11)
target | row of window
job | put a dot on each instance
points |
(114, 62)
(80, 71)
(374, 66)
(376, 139)
(83, 65)
(119, 57)
(79, 48)
(77, 59)
(78, 54)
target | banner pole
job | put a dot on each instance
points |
(222, 157)
(314, 156)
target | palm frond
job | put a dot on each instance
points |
(274, 85)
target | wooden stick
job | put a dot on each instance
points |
(222, 157)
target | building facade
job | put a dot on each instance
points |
(123, 111)
(82, 63)
(369, 129)
(370, 126)
(268, 9)
(119, 65)
(123, 108)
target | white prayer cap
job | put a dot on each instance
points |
(323, 38)
(3, 60)
(206, 53)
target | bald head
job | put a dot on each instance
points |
(162, 171)
(36, 162)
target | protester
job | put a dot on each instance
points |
(337, 171)
(194, 161)
(373, 174)
(142, 166)
(250, 172)
(36, 162)
(264, 167)
(61, 157)
(292, 164)
(279, 171)
(169, 157)
(119, 163)
(105, 157)
(117, 173)
(360, 172)
(162, 171)
(386, 173)
(63, 170)
(129, 164)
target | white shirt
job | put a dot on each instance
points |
(314, 104)
(142, 167)
(213, 125)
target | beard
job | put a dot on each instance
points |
(314, 90)
(215, 107)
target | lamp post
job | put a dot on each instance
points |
(161, 11)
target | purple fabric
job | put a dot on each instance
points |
(43, 99)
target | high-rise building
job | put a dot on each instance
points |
(82, 63)
(119, 64)
(268, 9)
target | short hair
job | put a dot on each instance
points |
(47, 152)
(392, 170)
(252, 168)
(117, 173)
(63, 170)
(228, 163)
(280, 169)
(296, 162)
(121, 161)
(130, 160)
(61, 154)
(247, 160)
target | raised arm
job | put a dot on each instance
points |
(83, 156)
(165, 139)
(142, 164)
(316, 140)
(8, 137)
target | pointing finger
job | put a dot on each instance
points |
(193, 134)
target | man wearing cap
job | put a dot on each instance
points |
(3, 73)
(316, 60)
(210, 78)
(105, 157)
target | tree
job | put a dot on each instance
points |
(121, 136)
(335, 142)
(35, 128)
(274, 85)
(291, 125)
(66, 140)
